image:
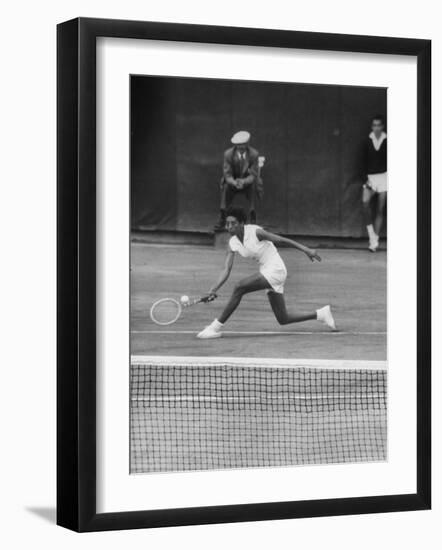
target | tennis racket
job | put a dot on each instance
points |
(168, 310)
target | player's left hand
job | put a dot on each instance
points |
(313, 255)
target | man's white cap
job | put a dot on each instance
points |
(240, 138)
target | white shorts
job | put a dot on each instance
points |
(377, 182)
(276, 274)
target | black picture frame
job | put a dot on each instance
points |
(76, 274)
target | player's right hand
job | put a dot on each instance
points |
(209, 297)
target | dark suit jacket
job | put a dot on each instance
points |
(246, 169)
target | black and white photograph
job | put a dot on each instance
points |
(258, 274)
(243, 277)
(220, 275)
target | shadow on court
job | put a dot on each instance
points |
(48, 514)
(352, 281)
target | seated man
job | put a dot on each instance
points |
(240, 175)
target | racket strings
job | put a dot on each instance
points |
(165, 311)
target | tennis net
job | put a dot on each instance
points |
(205, 413)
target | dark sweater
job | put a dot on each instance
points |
(375, 161)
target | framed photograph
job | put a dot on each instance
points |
(243, 316)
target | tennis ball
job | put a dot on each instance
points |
(184, 299)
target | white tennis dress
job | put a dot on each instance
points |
(271, 265)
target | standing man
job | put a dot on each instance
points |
(376, 183)
(240, 175)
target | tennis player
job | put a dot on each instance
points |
(252, 241)
(376, 184)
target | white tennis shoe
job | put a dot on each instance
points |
(211, 331)
(325, 316)
(373, 244)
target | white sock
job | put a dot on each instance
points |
(216, 324)
(319, 316)
(371, 234)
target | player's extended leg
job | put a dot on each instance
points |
(244, 286)
(367, 195)
(277, 302)
(380, 208)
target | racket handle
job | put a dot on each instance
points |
(208, 298)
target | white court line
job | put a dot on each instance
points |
(177, 360)
(259, 400)
(275, 332)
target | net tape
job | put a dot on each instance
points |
(219, 416)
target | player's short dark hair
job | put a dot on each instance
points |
(238, 213)
(379, 117)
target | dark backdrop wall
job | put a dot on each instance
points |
(311, 136)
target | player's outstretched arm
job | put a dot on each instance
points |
(264, 235)
(224, 275)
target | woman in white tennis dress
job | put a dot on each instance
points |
(252, 241)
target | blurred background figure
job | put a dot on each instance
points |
(314, 139)
(241, 176)
(376, 183)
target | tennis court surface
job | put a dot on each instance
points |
(262, 395)
(352, 281)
